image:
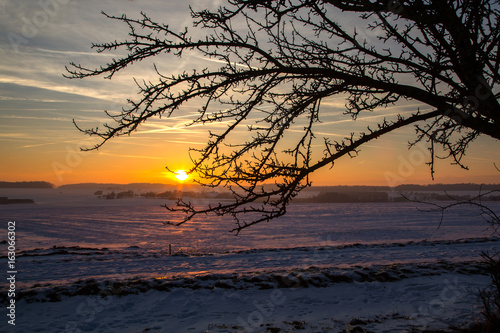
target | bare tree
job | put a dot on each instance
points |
(289, 57)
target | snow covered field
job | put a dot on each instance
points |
(93, 265)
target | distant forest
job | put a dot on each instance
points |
(433, 192)
(337, 188)
(379, 196)
(111, 186)
(409, 187)
(323, 194)
(35, 184)
(169, 195)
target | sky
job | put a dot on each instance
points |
(38, 141)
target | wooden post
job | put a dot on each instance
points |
(169, 249)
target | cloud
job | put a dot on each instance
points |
(131, 156)
(39, 145)
(35, 118)
(9, 98)
(60, 88)
(364, 118)
(90, 54)
(185, 142)
(14, 135)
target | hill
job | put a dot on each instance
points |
(111, 186)
(34, 184)
(408, 187)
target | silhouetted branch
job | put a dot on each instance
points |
(279, 62)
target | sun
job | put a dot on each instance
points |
(181, 175)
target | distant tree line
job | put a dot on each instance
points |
(364, 196)
(35, 184)
(7, 201)
(383, 196)
(174, 195)
(419, 196)
(448, 187)
(168, 195)
(110, 186)
(408, 187)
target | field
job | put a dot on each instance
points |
(94, 265)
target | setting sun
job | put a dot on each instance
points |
(181, 175)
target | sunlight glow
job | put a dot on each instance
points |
(181, 175)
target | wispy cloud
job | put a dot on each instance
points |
(35, 118)
(364, 118)
(40, 100)
(131, 156)
(75, 90)
(188, 142)
(14, 135)
(41, 144)
(88, 53)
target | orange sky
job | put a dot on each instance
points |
(39, 142)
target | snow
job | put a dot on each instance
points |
(422, 302)
(93, 265)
